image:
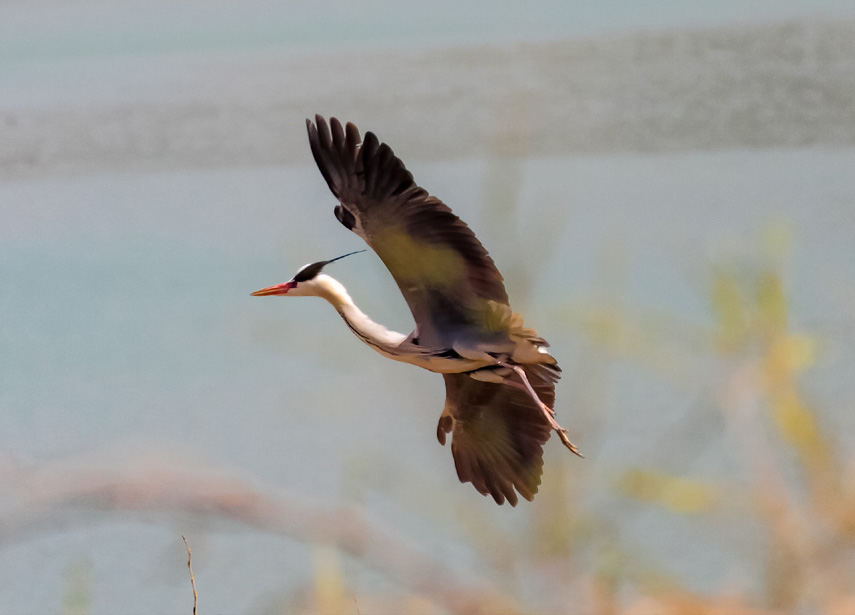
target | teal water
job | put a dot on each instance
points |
(128, 336)
(127, 327)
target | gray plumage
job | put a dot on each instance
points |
(499, 378)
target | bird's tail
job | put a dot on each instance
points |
(550, 372)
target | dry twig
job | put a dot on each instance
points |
(190, 567)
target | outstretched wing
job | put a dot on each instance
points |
(445, 274)
(497, 434)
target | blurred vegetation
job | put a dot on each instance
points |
(788, 486)
(77, 597)
(794, 487)
(785, 482)
(791, 486)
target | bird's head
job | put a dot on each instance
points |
(305, 283)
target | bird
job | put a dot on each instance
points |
(499, 377)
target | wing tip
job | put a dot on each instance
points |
(502, 479)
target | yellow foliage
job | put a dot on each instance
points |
(329, 594)
(797, 423)
(678, 494)
(772, 303)
(731, 310)
(790, 353)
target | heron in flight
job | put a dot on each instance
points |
(499, 377)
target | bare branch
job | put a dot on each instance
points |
(48, 499)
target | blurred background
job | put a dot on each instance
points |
(667, 187)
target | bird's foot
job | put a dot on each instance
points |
(548, 412)
(562, 433)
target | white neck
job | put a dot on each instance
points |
(374, 334)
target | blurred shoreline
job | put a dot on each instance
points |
(672, 209)
(785, 84)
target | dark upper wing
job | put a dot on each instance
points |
(443, 271)
(497, 434)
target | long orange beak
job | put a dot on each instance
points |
(278, 289)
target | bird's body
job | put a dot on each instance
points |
(500, 380)
(390, 344)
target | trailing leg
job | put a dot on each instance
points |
(548, 412)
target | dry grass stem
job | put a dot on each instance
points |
(190, 568)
